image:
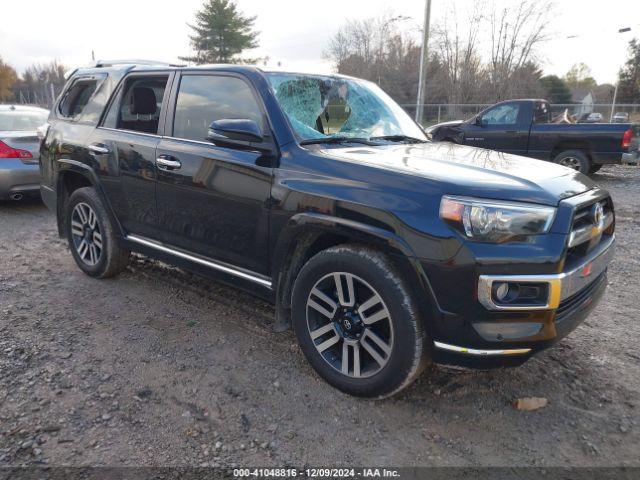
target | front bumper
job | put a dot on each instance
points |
(509, 337)
(17, 177)
(631, 158)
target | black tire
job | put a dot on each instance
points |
(110, 258)
(575, 159)
(595, 168)
(370, 269)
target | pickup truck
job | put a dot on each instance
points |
(383, 251)
(526, 127)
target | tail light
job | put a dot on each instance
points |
(9, 152)
(626, 138)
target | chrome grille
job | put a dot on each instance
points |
(588, 230)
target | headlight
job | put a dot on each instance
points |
(495, 221)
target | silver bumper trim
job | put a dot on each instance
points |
(561, 285)
(473, 351)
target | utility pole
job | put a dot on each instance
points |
(424, 57)
(613, 105)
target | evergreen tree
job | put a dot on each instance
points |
(221, 33)
(629, 83)
(556, 89)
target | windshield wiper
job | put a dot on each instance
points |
(314, 141)
(399, 138)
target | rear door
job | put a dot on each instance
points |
(124, 147)
(215, 200)
(503, 127)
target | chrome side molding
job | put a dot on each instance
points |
(236, 272)
(473, 351)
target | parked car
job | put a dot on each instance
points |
(620, 117)
(383, 251)
(524, 127)
(19, 150)
(594, 117)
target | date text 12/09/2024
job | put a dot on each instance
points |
(316, 472)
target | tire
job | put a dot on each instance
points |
(575, 159)
(595, 168)
(387, 311)
(86, 220)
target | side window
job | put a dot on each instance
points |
(137, 104)
(77, 97)
(203, 99)
(506, 114)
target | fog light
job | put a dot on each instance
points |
(501, 291)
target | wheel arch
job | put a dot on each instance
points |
(309, 233)
(564, 146)
(73, 175)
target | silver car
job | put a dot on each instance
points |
(19, 150)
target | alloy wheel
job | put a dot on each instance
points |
(350, 325)
(86, 235)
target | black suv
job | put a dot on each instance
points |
(383, 251)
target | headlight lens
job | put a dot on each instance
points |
(495, 221)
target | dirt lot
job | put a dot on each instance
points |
(158, 367)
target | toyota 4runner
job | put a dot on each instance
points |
(383, 251)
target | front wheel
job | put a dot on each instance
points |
(357, 323)
(575, 159)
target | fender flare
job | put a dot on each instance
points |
(301, 232)
(68, 165)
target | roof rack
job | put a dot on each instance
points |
(112, 63)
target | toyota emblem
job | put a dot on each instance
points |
(597, 216)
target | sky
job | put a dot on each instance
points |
(293, 33)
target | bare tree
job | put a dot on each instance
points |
(463, 73)
(516, 31)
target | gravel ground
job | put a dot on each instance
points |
(162, 368)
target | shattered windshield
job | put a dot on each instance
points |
(324, 107)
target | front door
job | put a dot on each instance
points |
(504, 127)
(214, 200)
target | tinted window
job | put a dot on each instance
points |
(202, 99)
(137, 106)
(15, 120)
(506, 114)
(77, 97)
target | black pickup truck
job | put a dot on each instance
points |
(526, 127)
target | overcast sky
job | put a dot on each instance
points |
(293, 32)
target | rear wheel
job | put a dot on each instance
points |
(595, 168)
(356, 322)
(91, 236)
(575, 159)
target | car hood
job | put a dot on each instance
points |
(462, 170)
(452, 123)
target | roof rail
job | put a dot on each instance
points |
(112, 63)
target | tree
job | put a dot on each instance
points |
(515, 31)
(221, 34)
(579, 76)
(37, 82)
(8, 78)
(376, 49)
(556, 90)
(629, 77)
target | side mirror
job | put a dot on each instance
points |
(478, 121)
(234, 132)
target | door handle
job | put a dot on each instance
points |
(167, 162)
(99, 148)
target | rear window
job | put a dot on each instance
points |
(77, 97)
(16, 120)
